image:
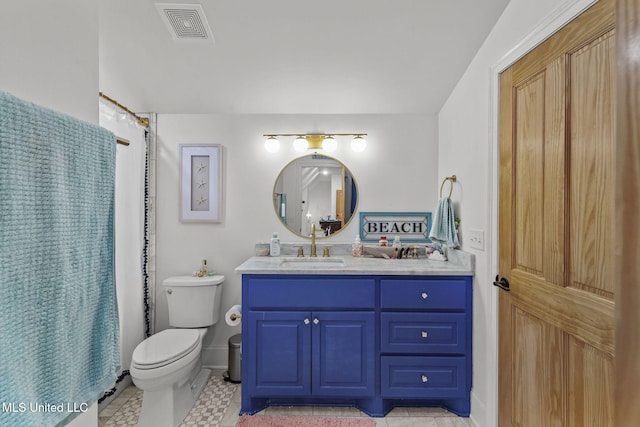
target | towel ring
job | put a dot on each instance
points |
(451, 180)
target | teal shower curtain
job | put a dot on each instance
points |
(58, 310)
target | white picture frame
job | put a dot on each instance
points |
(201, 183)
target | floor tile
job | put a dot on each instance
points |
(337, 411)
(219, 406)
(412, 422)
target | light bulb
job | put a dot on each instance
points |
(271, 144)
(329, 144)
(300, 144)
(358, 144)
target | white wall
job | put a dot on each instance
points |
(397, 172)
(466, 147)
(49, 54)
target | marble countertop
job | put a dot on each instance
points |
(459, 264)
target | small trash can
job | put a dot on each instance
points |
(235, 359)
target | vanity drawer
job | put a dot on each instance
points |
(424, 294)
(308, 292)
(436, 333)
(423, 377)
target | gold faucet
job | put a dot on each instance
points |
(313, 240)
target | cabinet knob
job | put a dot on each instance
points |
(424, 334)
(424, 295)
(306, 320)
(169, 291)
(424, 379)
(316, 321)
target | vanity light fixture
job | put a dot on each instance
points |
(300, 144)
(271, 144)
(314, 141)
(358, 144)
(329, 144)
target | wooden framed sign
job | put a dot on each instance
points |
(411, 227)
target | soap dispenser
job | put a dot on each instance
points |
(274, 245)
(396, 242)
(204, 271)
(356, 248)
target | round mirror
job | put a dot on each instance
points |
(315, 189)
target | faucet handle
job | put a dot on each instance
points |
(300, 251)
(325, 252)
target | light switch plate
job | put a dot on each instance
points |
(476, 239)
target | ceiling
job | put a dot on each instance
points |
(293, 56)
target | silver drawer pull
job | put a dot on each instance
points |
(424, 334)
(306, 320)
(424, 379)
(316, 321)
(424, 295)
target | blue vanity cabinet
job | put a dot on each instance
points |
(307, 338)
(371, 341)
(425, 341)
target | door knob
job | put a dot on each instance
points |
(502, 283)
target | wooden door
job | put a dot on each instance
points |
(556, 323)
(627, 409)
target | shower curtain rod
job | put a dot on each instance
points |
(143, 121)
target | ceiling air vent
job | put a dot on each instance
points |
(185, 22)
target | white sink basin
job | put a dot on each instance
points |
(312, 262)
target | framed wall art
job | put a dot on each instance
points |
(201, 183)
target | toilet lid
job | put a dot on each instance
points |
(165, 347)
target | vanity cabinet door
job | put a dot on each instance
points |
(280, 353)
(343, 357)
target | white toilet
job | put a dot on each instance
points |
(166, 366)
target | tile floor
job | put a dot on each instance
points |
(219, 404)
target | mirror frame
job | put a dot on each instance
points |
(353, 214)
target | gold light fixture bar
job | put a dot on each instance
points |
(307, 135)
(314, 141)
(143, 121)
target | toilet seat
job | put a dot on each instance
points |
(165, 347)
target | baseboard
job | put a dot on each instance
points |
(479, 416)
(215, 357)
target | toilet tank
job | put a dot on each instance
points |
(194, 302)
